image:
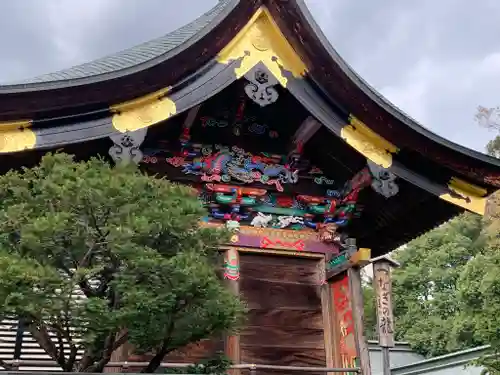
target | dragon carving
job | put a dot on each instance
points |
(241, 166)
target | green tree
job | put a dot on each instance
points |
(132, 247)
(490, 118)
(370, 311)
(425, 288)
(493, 147)
(479, 290)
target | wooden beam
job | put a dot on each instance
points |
(191, 116)
(349, 258)
(458, 192)
(275, 252)
(328, 323)
(306, 130)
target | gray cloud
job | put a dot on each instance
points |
(436, 60)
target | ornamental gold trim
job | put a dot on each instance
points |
(261, 40)
(361, 257)
(368, 143)
(16, 136)
(143, 112)
(463, 194)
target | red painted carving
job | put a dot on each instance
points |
(345, 322)
(266, 242)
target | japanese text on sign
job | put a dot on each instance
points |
(345, 322)
(385, 318)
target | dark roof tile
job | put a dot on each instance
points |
(133, 56)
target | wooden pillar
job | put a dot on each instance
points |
(330, 332)
(347, 305)
(232, 277)
(356, 294)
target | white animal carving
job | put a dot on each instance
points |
(261, 220)
(285, 221)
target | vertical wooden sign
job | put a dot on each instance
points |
(344, 321)
(383, 293)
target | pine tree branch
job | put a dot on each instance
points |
(61, 359)
(106, 354)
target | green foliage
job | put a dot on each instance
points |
(479, 290)
(131, 244)
(493, 147)
(370, 311)
(428, 312)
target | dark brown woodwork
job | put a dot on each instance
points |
(191, 353)
(274, 294)
(284, 325)
(283, 336)
(329, 328)
(195, 352)
(286, 356)
(310, 319)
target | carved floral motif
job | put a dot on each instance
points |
(260, 87)
(384, 181)
(126, 146)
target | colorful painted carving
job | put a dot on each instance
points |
(261, 221)
(279, 239)
(235, 195)
(261, 209)
(267, 242)
(240, 203)
(231, 267)
(233, 225)
(329, 210)
(328, 233)
(258, 129)
(212, 122)
(342, 305)
(322, 180)
(237, 165)
(286, 221)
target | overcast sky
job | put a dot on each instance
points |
(435, 59)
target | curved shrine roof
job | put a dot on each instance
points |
(156, 51)
(342, 84)
(121, 63)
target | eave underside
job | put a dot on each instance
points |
(384, 223)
